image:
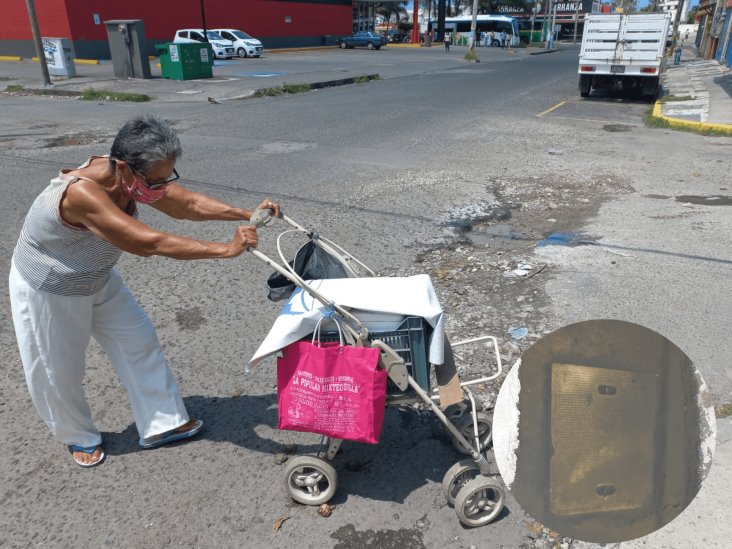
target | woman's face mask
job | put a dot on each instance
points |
(140, 192)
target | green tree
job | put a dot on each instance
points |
(628, 6)
(391, 9)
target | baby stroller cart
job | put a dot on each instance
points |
(402, 318)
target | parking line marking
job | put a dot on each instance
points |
(551, 109)
(580, 119)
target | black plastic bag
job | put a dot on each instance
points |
(310, 263)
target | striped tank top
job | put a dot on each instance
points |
(56, 257)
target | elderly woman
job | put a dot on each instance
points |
(64, 288)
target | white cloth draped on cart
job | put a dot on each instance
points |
(407, 296)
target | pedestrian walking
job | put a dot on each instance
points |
(502, 39)
(509, 38)
(64, 288)
(448, 39)
(677, 53)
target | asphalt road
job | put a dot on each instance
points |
(382, 168)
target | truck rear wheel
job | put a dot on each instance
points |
(585, 85)
(650, 89)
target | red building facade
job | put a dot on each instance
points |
(277, 23)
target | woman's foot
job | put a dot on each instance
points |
(185, 431)
(87, 457)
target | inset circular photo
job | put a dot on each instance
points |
(604, 431)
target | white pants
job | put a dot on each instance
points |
(53, 333)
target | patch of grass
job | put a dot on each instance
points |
(6, 78)
(14, 88)
(296, 88)
(672, 98)
(470, 56)
(655, 121)
(103, 95)
(268, 92)
(302, 88)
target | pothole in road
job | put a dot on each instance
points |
(614, 128)
(72, 139)
(349, 538)
(464, 218)
(566, 239)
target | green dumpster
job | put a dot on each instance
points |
(186, 61)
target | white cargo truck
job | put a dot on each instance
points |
(623, 52)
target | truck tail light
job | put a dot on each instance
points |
(587, 68)
(649, 70)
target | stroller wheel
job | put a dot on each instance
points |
(458, 476)
(310, 480)
(479, 502)
(465, 426)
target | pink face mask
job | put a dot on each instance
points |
(139, 192)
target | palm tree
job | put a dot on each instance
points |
(388, 9)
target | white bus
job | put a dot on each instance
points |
(460, 28)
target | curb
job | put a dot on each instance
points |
(310, 48)
(542, 52)
(319, 85)
(724, 129)
(10, 58)
(76, 61)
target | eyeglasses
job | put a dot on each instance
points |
(160, 184)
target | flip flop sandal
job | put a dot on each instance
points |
(171, 436)
(90, 450)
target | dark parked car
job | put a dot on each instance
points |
(363, 39)
(395, 36)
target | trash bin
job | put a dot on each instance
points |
(59, 53)
(186, 61)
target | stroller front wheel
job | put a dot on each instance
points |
(458, 476)
(310, 480)
(479, 502)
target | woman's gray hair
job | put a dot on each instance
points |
(144, 141)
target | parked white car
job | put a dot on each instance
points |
(244, 45)
(222, 48)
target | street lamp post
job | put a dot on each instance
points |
(203, 21)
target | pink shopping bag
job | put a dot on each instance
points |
(331, 389)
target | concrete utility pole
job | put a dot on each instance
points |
(547, 8)
(576, 20)
(676, 22)
(474, 27)
(40, 52)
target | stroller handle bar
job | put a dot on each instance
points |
(263, 218)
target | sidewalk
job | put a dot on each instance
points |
(706, 83)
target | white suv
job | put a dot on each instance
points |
(244, 45)
(222, 48)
